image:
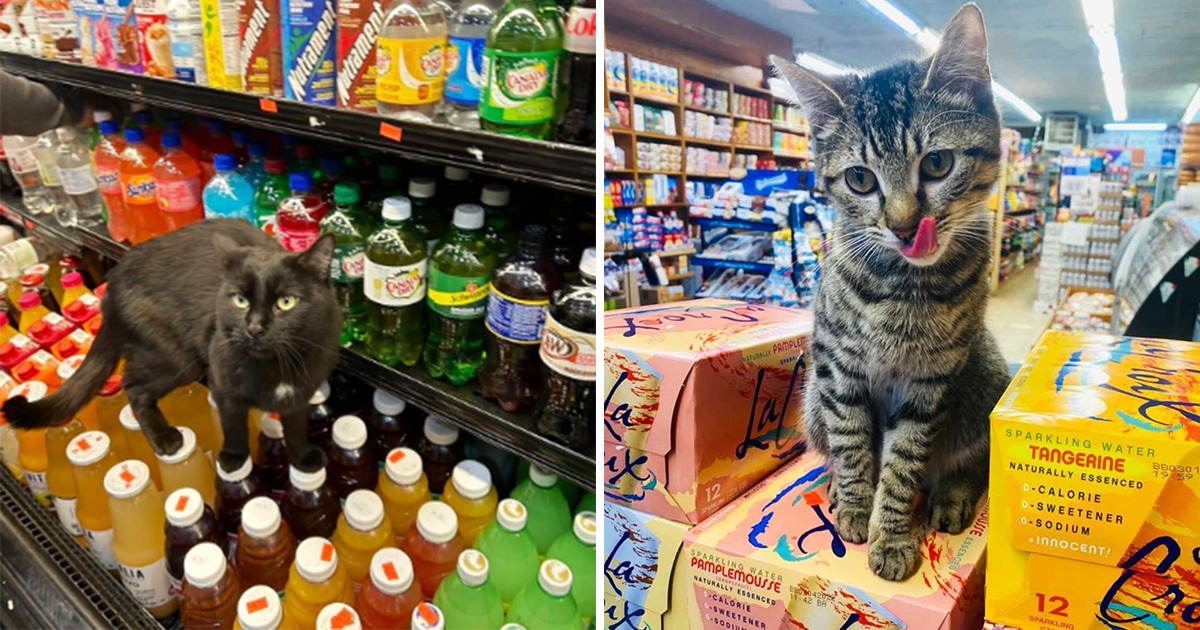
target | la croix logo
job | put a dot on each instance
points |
(622, 465)
(805, 489)
(652, 320)
(1171, 597)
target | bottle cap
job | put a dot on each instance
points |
(349, 432)
(185, 451)
(346, 193)
(585, 528)
(128, 420)
(388, 172)
(69, 366)
(259, 609)
(133, 134)
(272, 426)
(495, 195)
(112, 386)
(437, 522)
(440, 432)
(387, 404)
(108, 127)
(225, 162)
(171, 140)
(305, 151)
(240, 136)
(403, 466)
(88, 448)
(204, 565)
(29, 300)
(472, 567)
(511, 515)
(260, 517)
(235, 476)
(468, 217)
(426, 616)
(555, 578)
(542, 477)
(587, 262)
(332, 165)
(126, 479)
(338, 616)
(300, 182)
(275, 166)
(397, 209)
(101, 115)
(35, 276)
(304, 480)
(321, 395)
(422, 187)
(507, 626)
(391, 571)
(72, 280)
(471, 479)
(258, 149)
(184, 507)
(364, 510)
(316, 559)
(456, 174)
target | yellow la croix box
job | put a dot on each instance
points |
(644, 586)
(1095, 487)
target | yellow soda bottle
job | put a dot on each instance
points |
(404, 488)
(362, 529)
(473, 498)
(109, 403)
(91, 455)
(338, 617)
(259, 609)
(60, 477)
(189, 468)
(315, 581)
(188, 407)
(139, 537)
(137, 446)
(31, 452)
(87, 415)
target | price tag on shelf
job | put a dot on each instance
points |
(268, 105)
(391, 132)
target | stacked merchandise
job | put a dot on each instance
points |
(1084, 311)
(1189, 159)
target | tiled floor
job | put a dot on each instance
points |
(1010, 315)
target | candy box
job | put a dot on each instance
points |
(644, 587)
(702, 400)
(773, 559)
(1096, 476)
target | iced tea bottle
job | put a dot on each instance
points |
(189, 468)
(272, 458)
(389, 426)
(189, 523)
(91, 455)
(362, 530)
(316, 580)
(320, 418)
(137, 446)
(188, 407)
(210, 592)
(548, 602)
(60, 476)
(433, 545)
(549, 514)
(577, 549)
(266, 547)
(388, 598)
(109, 404)
(32, 451)
(440, 451)
(473, 498)
(467, 598)
(404, 488)
(234, 490)
(351, 461)
(138, 537)
(259, 608)
(510, 550)
(310, 505)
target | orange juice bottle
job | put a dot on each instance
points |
(76, 344)
(139, 537)
(189, 468)
(9, 444)
(138, 447)
(91, 454)
(188, 407)
(32, 311)
(338, 617)
(315, 581)
(32, 450)
(433, 545)
(87, 415)
(60, 477)
(6, 330)
(404, 489)
(362, 529)
(109, 403)
(42, 366)
(72, 288)
(259, 608)
(473, 498)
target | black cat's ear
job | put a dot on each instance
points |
(318, 257)
(822, 97)
(229, 252)
(961, 62)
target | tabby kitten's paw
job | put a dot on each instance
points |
(894, 557)
(952, 512)
(853, 522)
(167, 442)
(313, 461)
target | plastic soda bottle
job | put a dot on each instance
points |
(210, 593)
(272, 459)
(433, 544)
(460, 273)
(73, 288)
(467, 598)
(79, 180)
(578, 122)
(388, 183)
(429, 213)
(259, 608)
(500, 229)
(426, 616)
(187, 406)
(228, 195)
(410, 60)
(109, 404)
(60, 476)
(23, 162)
(107, 158)
(189, 468)
(175, 125)
(473, 498)
(351, 462)
(267, 195)
(138, 447)
(392, 424)
(136, 170)
(362, 530)
(510, 549)
(189, 523)
(440, 451)
(177, 181)
(214, 143)
(91, 455)
(547, 603)
(311, 506)
(234, 490)
(298, 220)
(45, 151)
(332, 173)
(139, 538)
(255, 170)
(520, 92)
(404, 488)
(565, 409)
(316, 580)
(320, 418)
(388, 598)
(468, 32)
(266, 547)
(577, 549)
(395, 284)
(549, 514)
(338, 617)
(32, 451)
(350, 228)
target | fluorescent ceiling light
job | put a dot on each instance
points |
(1098, 14)
(906, 24)
(928, 39)
(822, 65)
(1025, 108)
(1190, 113)
(1135, 127)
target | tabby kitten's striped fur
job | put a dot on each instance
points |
(904, 372)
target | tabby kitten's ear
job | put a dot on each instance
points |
(960, 63)
(229, 252)
(318, 257)
(821, 96)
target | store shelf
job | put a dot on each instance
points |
(44, 226)
(724, 144)
(651, 205)
(681, 276)
(693, 174)
(557, 165)
(736, 224)
(756, 119)
(791, 155)
(705, 110)
(650, 135)
(642, 171)
(654, 98)
(754, 147)
(717, 263)
(787, 129)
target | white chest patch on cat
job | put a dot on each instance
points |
(283, 391)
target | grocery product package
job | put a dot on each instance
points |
(1096, 476)
(260, 52)
(773, 559)
(644, 585)
(358, 27)
(702, 400)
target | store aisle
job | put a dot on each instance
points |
(1010, 315)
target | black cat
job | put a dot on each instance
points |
(217, 301)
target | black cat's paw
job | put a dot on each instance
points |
(894, 557)
(853, 522)
(312, 461)
(230, 461)
(952, 512)
(167, 443)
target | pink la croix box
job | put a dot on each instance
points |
(644, 587)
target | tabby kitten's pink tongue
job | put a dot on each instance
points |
(925, 242)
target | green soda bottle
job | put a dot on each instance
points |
(500, 229)
(510, 550)
(570, 491)
(427, 210)
(395, 282)
(577, 549)
(548, 602)
(520, 71)
(587, 503)
(549, 514)
(460, 274)
(350, 228)
(273, 189)
(466, 598)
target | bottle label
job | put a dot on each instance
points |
(464, 69)
(516, 320)
(410, 71)
(521, 87)
(22, 252)
(568, 352)
(100, 544)
(395, 286)
(581, 31)
(295, 241)
(178, 195)
(150, 585)
(176, 585)
(347, 264)
(50, 174)
(457, 297)
(67, 515)
(37, 484)
(109, 180)
(140, 189)
(23, 161)
(78, 180)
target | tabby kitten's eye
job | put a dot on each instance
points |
(286, 303)
(937, 164)
(240, 301)
(861, 180)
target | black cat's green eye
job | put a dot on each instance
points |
(286, 303)
(240, 301)
(937, 164)
(861, 180)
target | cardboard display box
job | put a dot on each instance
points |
(644, 587)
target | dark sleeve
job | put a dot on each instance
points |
(28, 108)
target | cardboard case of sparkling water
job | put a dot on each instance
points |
(702, 400)
(644, 587)
(773, 559)
(1096, 487)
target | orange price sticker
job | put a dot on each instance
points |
(812, 498)
(126, 476)
(268, 105)
(181, 504)
(327, 553)
(343, 619)
(256, 605)
(389, 570)
(428, 614)
(391, 132)
(396, 456)
(84, 445)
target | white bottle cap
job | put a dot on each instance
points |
(272, 426)
(426, 616)
(587, 262)
(468, 216)
(184, 507)
(512, 515)
(495, 195)
(260, 517)
(585, 528)
(69, 366)
(235, 476)
(305, 480)
(349, 432)
(204, 565)
(128, 420)
(338, 616)
(321, 395)
(88, 448)
(387, 404)
(127, 478)
(101, 115)
(555, 578)
(185, 451)
(403, 466)
(397, 209)
(542, 477)
(391, 571)
(422, 187)
(507, 626)
(456, 174)
(33, 391)
(316, 559)
(259, 609)
(364, 510)
(439, 431)
(472, 567)
(437, 522)
(471, 479)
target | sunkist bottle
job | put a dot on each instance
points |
(266, 546)
(298, 220)
(139, 537)
(578, 123)
(234, 490)
(270, 191)
(410, 60)
(177, 183)
(510, 550)
(577, 549)
(350, 228)
(468, 33)
(351, 461)
(211, 590)
(429, 213)
(433, 544)
(91, 455)
(137, 185)
(107, 158)
(137, 446)
(310, 505)
(228, 195)
(188, 467)
(259, 608)
(32, 451)
(362, 530)
(60, 476)
(460, 272)
(440, 451)
(547, 603)
(404, 488)
(189, 523)
(390, 593)
(549, 514)
(392, 424)
(395, 284)
(467, 597)
(272, 459)
(316, 580)
(473, 498)
(565, 409)
(524, 47)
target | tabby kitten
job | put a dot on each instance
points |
(904, 372)
(217, 301)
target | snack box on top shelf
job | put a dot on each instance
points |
(702, 400)
(773, 559)
(1096, 475)
(644, 585)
